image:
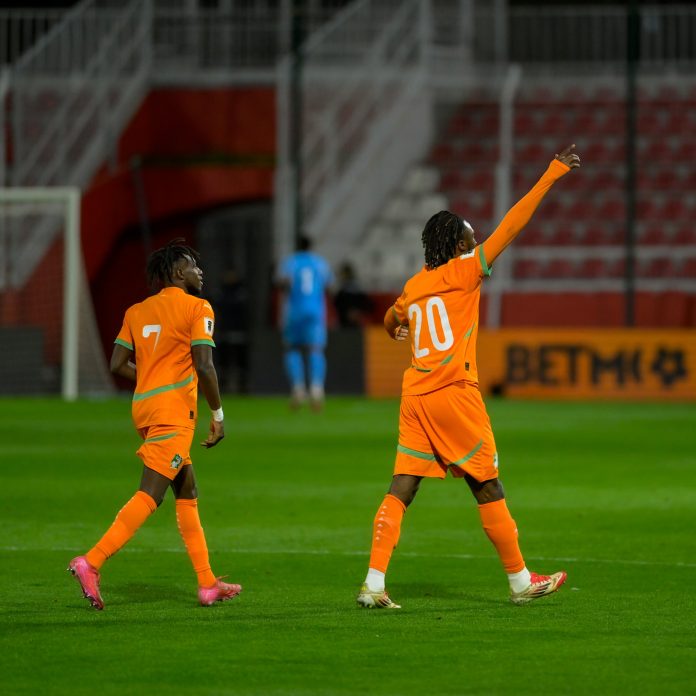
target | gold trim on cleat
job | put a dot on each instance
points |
(375, 600)
(539, 589)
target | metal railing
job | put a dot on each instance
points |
(592, 35)
(4, 91)
(75, 89)
(21, 29)
(365, 116)
(71, 95)
(229, 43)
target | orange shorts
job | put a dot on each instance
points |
(447, 429)
(166, 448)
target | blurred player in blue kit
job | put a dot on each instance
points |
(304, 279)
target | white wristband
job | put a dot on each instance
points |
(218, 415)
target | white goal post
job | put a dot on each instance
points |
(31, 221)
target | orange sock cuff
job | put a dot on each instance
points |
(502, 531)
(386, 531)
(146, 499)
(395, 501)
(128, 520)
(194, 539)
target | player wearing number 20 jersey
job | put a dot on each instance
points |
(443, 424)
(441, 308)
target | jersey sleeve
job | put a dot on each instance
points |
(203, 325)
(399, 309)
(125, 335)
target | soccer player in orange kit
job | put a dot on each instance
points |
(171, 336)
(443, 424)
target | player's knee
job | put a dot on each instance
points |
(404, 487)
(486, 491)
(157, 497)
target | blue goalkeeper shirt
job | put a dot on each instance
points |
(307, 275)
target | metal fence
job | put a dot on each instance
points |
(21, 29)
(364, 116)
(231, 43)
(588, 35)
(74, 90)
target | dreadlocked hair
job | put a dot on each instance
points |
(160, 263)
(440, 236)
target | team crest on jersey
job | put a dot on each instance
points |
(176, 462)
(208, 325)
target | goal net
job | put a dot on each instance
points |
(49, 338)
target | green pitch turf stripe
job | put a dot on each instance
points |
(416, 453)
(165, 388)
(123, 343)
(158, 438)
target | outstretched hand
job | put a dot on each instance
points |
(215, 434)
(568, 157)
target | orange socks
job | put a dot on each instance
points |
(386, 532)
(126, 524)
(502, 531)
(194, 539)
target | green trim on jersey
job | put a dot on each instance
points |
(203, 342)
(396, 316)
(416, 453)
(468, 333)
(444, 361)
(160, 390)
(467, 457)
(482, 258)
(123, 343)
(158, 438)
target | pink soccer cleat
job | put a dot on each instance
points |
(539, 586)
(219, 592)
(88, 577)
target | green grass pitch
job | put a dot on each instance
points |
(606, 491)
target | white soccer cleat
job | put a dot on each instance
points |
(375, 600)
(540, 586)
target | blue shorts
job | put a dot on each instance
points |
(305, 331)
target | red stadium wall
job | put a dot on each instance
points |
(185, 151)
(196, 148)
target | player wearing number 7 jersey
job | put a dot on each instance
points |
(443, 424)
(171, 337)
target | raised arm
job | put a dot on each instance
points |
(520, 213)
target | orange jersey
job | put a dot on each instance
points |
(161, 331)
(441, 308)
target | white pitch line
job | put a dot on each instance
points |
(365, 553)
